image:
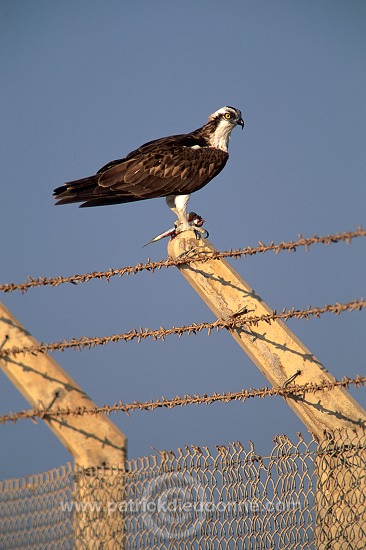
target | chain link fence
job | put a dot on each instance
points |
(302, 495)
(31, 514)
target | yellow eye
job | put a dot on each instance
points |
(227, 115)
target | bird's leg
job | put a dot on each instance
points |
(178, 205)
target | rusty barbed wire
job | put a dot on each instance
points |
(291, 246)
(161, 333)
(242, 395)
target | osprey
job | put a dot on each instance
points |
(171, 167)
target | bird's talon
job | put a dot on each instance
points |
(200, 233)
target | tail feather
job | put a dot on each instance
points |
(88, 192)
(76, 191)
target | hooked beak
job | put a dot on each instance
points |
(240, 123)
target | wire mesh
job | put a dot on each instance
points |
(30, 513)
(302, 495)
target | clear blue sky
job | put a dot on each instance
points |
(85, 82)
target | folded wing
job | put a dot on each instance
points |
(170, 166)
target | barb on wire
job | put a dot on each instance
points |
(291, 246)
(242, 395)
(161, 333)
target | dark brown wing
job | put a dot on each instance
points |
(169, 166)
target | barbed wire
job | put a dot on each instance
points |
(161, 333)
(242, 395)
(290, 246)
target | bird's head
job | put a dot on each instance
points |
(228, 116)
(222, 122)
